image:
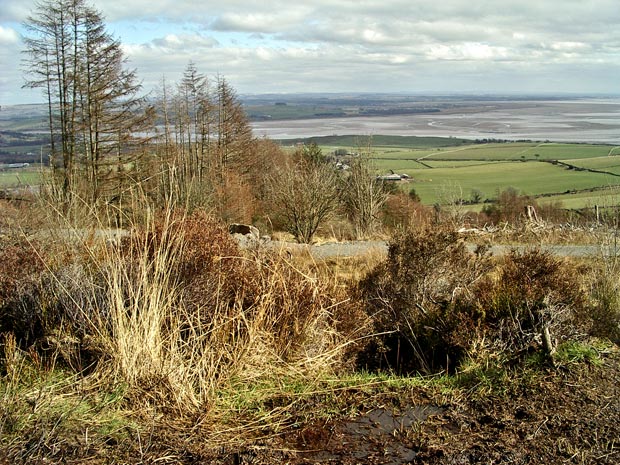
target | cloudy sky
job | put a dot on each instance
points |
(414, 46)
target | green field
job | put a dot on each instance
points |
(444, 168)
(430, 163)
(604, 198)
(19, 177)
(529, 178)
(522, 151)
(610, 164)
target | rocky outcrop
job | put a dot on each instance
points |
(244, 230)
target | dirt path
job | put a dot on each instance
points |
(359, 248)
(569, 415)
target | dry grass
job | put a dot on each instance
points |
(176, 329)
(545, 234)
(190, 328)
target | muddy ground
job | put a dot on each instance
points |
(570, 121)
(564, 414)
(568, 415)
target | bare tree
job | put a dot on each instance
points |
(48, 47)
(234, 134)
(363, 196)
(92, 104)
(305, 195)
(212, 145)
(450, 195)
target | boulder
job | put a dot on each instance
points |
(244, 230)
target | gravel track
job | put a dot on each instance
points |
(360, 248)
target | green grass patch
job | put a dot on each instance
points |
(19, 177)
(42, 409)
(435, 163)
(457, 164)
(606, 197)
(401, 153)
(608, 164)
(529, 178)
(577, 352)
(398, 166)
(524, 151)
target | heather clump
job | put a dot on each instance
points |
(434, 303)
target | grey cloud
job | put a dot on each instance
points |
(255, 23)
(183, 42)
(367, 44)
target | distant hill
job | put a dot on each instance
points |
(23, 132)
(382, 141)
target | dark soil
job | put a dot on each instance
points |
(565, 414)
(567, 418)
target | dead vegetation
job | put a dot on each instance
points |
(169, 344)
(172, 344)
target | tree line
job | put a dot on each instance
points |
(105, 138)
(191, 144)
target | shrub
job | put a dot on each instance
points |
(533, 293)
(205, 258)
(362, 197)
(303, 196)
(509, 208)
(409, 295)
(402, 211)
(21, 269)
(434, 303)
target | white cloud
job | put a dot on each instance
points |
(183, 42)
(569, 46)
(369, 45)
(8, 36)
(468, 51)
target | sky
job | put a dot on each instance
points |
(410, 46)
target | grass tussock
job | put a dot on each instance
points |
(174, 327)
(179, 317)
(190, 313)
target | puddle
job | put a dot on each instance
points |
(378, 436)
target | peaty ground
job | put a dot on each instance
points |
(567, 414)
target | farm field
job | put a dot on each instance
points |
(508, 151)
(19, 177)
(533, 178)
(610, 164)
(605, 198)
(442, 172)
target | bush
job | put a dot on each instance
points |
(21, 270)
(409, 297)
(434, 303)
(510, 207)
(533, 292)
(402, 211)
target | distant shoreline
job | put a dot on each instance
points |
(585, 120)
(562, 118)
